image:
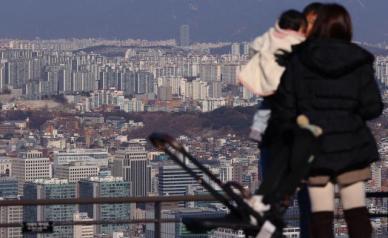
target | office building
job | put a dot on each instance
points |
(76, 171)
(226, 171)
(51, 189)
(82, 231)
(5, 166)
(106, 186)
(74, 155)
(11, 214)
(174, 181)
(30, 166)
(8, 186)
(133, 165)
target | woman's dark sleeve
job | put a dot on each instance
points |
(284, 101)
(371, 105)
(283, 109)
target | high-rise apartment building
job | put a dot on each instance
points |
(210, 72)
(3, 83)
(245, 47)
(51, 189)
(30, 166)
(212, 104)
(215, 89)
(200, 90)
(229, 73)
(164, 93)
(106, 186)
(235, 49)
(184, 35)
(133, 165)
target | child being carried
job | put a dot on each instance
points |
(261, 75)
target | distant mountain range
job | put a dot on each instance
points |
(209, 20)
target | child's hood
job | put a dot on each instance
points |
(277, 39)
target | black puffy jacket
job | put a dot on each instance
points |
(333, 83)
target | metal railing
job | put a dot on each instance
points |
(157, 201)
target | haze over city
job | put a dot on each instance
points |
(215, 20)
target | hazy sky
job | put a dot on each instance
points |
(210, 20)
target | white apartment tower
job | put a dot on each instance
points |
(235, 49)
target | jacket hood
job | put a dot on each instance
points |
(332, 58)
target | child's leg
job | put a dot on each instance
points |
(322, 206)
(298, 161)
(289, 160)
(355, 211)
(275, 170)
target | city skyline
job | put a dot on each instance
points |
(77, 106)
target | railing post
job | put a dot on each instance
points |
(158, 217)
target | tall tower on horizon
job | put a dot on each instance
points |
(184, 35)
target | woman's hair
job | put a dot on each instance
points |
(292, 20)
(333, 22)
(312, 8)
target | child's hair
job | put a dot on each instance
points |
(292, 20)
(312, 8)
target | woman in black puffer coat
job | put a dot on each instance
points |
(331, 80)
